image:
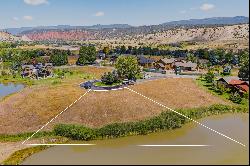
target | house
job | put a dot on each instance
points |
(27, 70)
(186, 66)
(235, 84)
(145, 62)
(165, 64)
(39, 70)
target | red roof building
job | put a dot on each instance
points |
(241, 85)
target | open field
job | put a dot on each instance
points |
(35, 106)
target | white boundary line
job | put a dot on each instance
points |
(187, 117)
(55, 117)
(174, 145)
(108, 90)
(60, 144)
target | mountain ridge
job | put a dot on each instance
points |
(190, 22)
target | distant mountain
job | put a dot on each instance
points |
(210, 21)
(111, 26)
(144, 29)
(16, 31)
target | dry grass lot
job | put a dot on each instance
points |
(101, 108)
(29, 110)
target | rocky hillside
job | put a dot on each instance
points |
(4, 36)
(174, 35)
(223, 33)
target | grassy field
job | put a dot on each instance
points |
(27, 111)
(36, 104)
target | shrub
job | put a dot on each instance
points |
(110, 78)
(75, 132)
(246, 95)
(235, 97)
(209, 77)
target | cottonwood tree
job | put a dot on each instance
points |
(127, 67)
(87, 55)
(244, 66)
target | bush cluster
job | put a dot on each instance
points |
(110, 78)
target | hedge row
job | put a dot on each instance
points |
(165, 121)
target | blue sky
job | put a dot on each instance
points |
(19, 13)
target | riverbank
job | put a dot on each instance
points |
(165, 121)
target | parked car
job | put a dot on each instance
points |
(163, 72)
(125, 82)
(131, 82)
(146, 76)
(87, 85)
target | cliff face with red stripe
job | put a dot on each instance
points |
(221, 33)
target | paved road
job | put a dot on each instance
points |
(98, 88)
(156, 76)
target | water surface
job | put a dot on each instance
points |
(125, 150)
(7, 89)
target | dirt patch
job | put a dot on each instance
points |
(34, 107)
(6, 149)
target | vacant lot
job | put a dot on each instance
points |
(101, 108)
(31, 109)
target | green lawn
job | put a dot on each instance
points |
(208, 86)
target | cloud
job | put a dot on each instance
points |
(207, 7)
(28, 18)
(15, 18)
(36, 2)
(99, 14)
(183, 11)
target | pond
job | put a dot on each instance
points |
(125, 150)
(6, 89)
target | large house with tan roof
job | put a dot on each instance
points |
(173, 63)
(165, 64)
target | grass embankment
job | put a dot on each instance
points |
(165, 121)
(23, 136)
(19, 156)
(16, 80)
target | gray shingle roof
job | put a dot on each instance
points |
(168, 60)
